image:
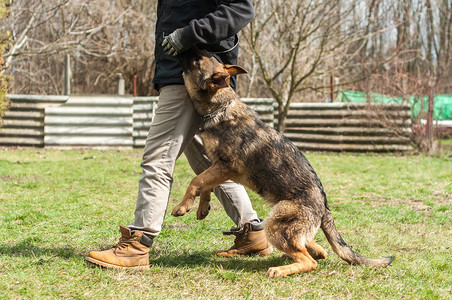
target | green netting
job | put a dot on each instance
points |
(353, 97)
(442, 105)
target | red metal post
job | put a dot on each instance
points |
(431, 100)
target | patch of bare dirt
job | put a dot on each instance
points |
(178, 225)
(415, 204)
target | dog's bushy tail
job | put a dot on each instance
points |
(343, 250)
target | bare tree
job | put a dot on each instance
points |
(296, 44)
(4, 43)
(291, 48)
(103, 37)
(439, 41)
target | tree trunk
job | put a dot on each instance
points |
(429, 128)
(281, 119)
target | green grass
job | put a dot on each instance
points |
(56, 206)
(446, 143)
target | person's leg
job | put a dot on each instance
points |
(174, 125)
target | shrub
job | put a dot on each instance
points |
(4, 44)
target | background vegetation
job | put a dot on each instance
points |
(4, 44)
(56, 206)
(291, 48)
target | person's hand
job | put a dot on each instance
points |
(172, 45)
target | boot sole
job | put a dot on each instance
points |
(264, 252)
(111, 266)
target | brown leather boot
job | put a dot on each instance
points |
(128, 253)
(247, 242)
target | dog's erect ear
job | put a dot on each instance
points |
(218, 81)
(235, 70)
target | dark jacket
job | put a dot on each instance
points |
(209, 24)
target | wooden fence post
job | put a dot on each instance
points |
(332, 88)
(67, 75)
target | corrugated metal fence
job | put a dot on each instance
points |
(123, 122)
(349, 127)
(88, 121)
(23, 122)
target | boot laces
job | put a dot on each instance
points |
(240, 236)
(124, 242)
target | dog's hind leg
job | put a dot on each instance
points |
(303, 263)
(291, 228)
(316, 251)
(204, 205)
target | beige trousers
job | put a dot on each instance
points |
(171, 133)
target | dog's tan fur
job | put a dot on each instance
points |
(242, 148)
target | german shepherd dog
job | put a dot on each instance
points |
(244, 149)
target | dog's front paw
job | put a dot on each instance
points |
(204, 205)
(275, 272)
(180, 210)
(202, 211)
